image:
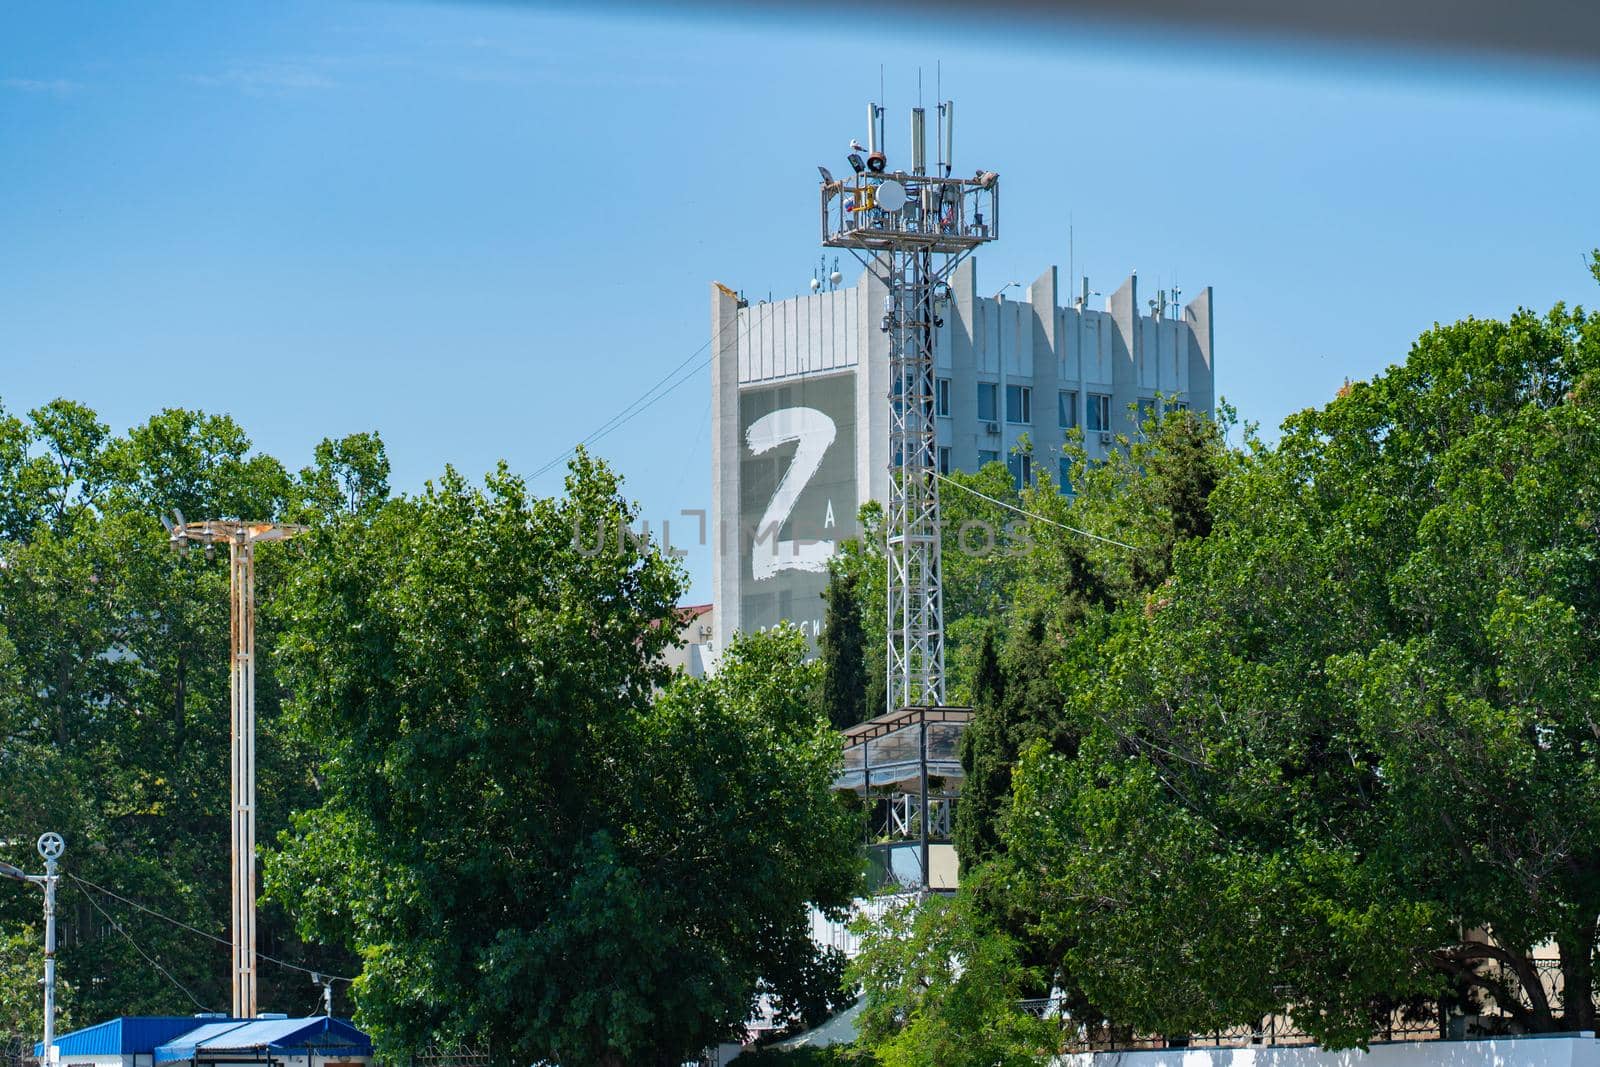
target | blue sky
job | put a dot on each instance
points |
(484, 230)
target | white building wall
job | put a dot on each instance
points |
(1032, 341)
(1526, 1051)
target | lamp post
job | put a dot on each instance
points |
(241, 539)
(51, 846)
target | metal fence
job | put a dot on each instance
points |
(443, 1056)
(16, 1050)
(1272, 1030)
(1417, 1022)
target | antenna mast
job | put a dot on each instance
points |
(911, 229)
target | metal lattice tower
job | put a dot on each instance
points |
(241, 539)
(911, 230)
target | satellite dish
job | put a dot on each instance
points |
(891, 195)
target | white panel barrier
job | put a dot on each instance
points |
(1555, 1050)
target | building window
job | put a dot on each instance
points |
(1099, 412)
(1147, 410)
(1067, 409)
(988, 407)
(987, 456)
(1021, 465)
(1019, 403)
(941, 392)
(944, 459)
(1064, 475)
(1178, 405)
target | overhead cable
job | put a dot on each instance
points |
(151, 960)
(85, 883)
(1032, 515)
(646, 400)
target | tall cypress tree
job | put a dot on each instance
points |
(843, 645)
(985, 758)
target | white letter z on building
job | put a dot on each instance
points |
(815, 432)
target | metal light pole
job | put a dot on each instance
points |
(51, 846)
(241, 539)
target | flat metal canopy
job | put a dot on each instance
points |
(887, 751)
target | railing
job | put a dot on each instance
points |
(941, 213)
(898, 817)
(443, 1056)
(16, 1050)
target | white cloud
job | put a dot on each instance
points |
(53, 86)
(268, 78)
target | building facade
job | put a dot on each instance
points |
(800, 413)
(695, 653)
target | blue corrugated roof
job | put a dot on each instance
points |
(122, 1036)
(181, 1046)
(284, 1036)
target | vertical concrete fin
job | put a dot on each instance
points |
(1202, 381)
(726, 449)
(1124, 308)
(1044, 296)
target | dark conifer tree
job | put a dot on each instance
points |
(843, 646)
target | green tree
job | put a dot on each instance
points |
(943, 989)
(843, 649)
(1344, 756)
(1018, 701)
(860, 562)
(524, 840)
(114, 704)
(21, 1004)
(984, 549)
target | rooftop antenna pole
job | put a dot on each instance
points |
(241, 539)
(51, 847)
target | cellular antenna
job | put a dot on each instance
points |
(919, 141)
(911, 230)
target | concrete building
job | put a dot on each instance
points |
(800, 414)
(697, 655)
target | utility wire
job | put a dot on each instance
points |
(147, 957)
(626, 415)
(648, 398)
(84, 882)
(1033, 515)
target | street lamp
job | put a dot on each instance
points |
(50, 846)
(241, 539)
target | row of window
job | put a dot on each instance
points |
(1020, 464)
(1019, 405)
